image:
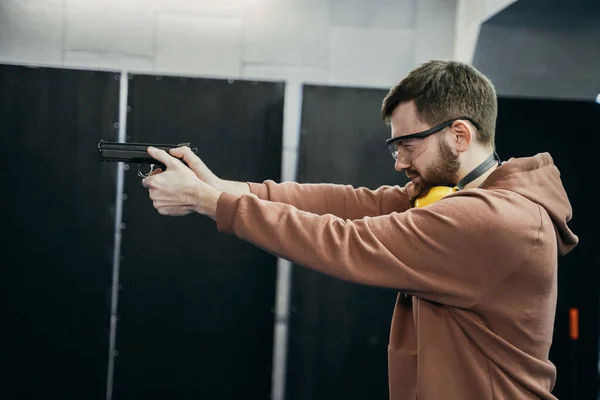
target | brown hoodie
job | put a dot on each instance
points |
(476, 271)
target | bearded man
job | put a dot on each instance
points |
(471, 243)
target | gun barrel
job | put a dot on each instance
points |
(133, 152)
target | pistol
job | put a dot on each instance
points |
(136, 153)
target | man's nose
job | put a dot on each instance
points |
(401, 166)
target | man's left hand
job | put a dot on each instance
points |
(178, 191)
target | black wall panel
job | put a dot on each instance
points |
(339, 330)
(568, 131)
(58, 219)
(195, 309)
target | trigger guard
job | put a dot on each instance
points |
(141, 174)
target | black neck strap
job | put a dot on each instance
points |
(480, 170)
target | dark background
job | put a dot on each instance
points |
(195, 306)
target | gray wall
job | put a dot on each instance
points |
(342, 42)
(546, 48)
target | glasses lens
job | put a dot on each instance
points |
(406, 151)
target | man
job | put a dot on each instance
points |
(475, 266)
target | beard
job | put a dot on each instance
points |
(442, 172)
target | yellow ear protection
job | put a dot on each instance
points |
(435, 193)
(439, 192)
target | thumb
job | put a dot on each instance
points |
(178, 152)
(192, 160)
(162, 156)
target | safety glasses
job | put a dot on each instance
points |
(406, 148)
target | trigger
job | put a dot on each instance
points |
(141, 174)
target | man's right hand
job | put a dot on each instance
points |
(206, 175)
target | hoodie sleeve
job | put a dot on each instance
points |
(445, 252)
(343, 201)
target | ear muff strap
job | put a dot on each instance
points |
(480, 170)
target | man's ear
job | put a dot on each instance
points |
(462, 134)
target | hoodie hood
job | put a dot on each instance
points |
(538, 179)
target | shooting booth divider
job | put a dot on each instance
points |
(338, 331)
(58, 216)
(196, 306)
(567, 129)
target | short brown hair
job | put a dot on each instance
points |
(443, 90)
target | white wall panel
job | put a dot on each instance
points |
(198, 45)
(383, 14)
(290, 32)
(31, 32)
(370, 57)
(124, 30)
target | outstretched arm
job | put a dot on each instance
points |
(343, 201)
(415, 252)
